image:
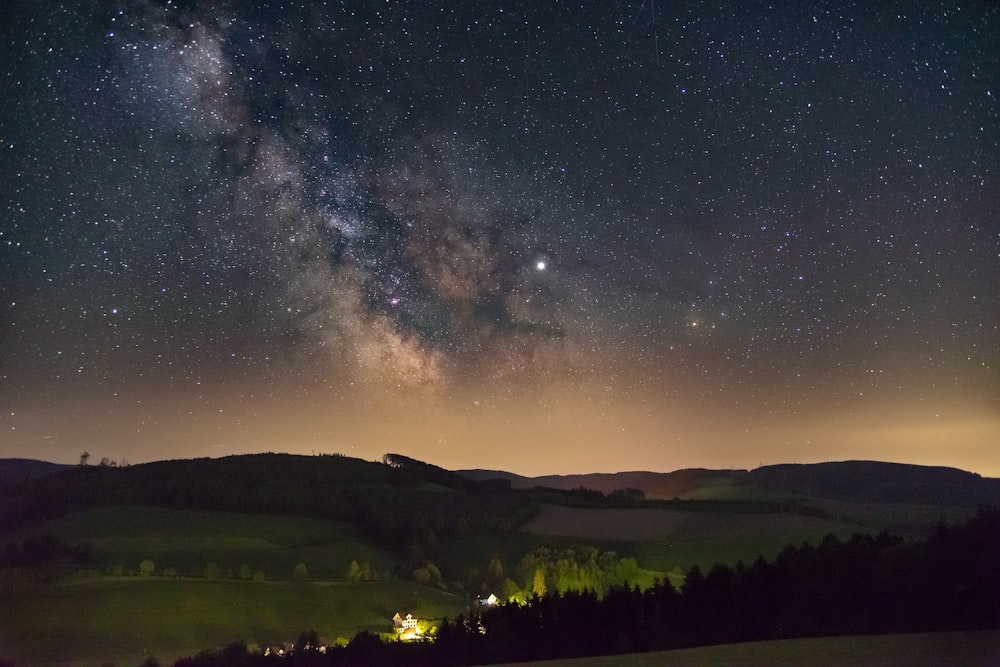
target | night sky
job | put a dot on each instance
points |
(548, 237)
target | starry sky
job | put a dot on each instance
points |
(547, 237)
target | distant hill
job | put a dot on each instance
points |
(409, 505)
(875, 481)
(852, 481)
(687, 483)
(13, 471)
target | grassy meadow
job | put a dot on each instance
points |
(185, 541)
(124, 618)
(672, 540)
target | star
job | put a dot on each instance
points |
(709, 227)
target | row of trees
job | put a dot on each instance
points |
(548, 570)
(862, 586)
(147, 567)
(44, 559)
(574, 570)
(211, 570)
(104, 462)
(40, 560)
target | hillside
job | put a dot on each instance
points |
(403, 506)
(849, 481)
(688, 483)
(421, 512)
(415, 528)
(874, 481)
(13, 471)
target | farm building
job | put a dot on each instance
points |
(406, 626)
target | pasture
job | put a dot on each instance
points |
(672, 540)
(185, 541)
(124, 620)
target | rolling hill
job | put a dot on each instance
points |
(13, 471)
(474, 529)
(849, 481)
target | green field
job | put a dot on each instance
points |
(672, 540)
(187, 540)
(125, 619)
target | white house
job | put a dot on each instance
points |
(405, 625)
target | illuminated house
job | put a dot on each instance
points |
(405, 626)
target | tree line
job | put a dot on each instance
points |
(396, 507)
(40, 560)
(865, 585)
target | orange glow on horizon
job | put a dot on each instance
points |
(558, 430)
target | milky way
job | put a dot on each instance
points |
(547, 237)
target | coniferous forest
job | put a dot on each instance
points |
(865, 585)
